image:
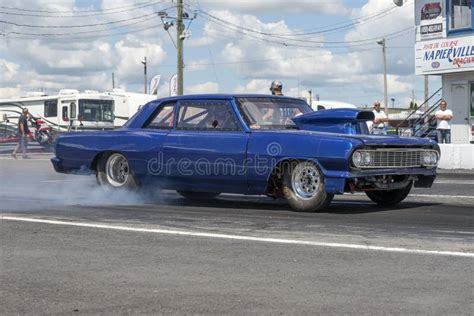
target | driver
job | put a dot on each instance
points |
(276, 88)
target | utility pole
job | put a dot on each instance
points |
(179, 41)
(144, 71)
(384, 51)
(113, 80)
(426, 93)
(310, 97)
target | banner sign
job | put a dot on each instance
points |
(429, 19)
(154, 83)
(441, 56)
(174, 85)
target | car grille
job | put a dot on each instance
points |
(395, 158)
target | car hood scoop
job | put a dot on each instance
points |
(334, 116)
(342, 121)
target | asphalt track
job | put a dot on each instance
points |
(65, 247)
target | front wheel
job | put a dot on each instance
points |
(114, 172)
(303, 187)
(389, 197)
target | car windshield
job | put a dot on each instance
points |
(271, 112)
(96, 110)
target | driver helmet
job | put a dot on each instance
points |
(276, 84)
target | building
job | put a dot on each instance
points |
(445, 47)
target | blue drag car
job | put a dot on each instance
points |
(205, 145)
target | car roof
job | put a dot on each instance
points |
(222, 96)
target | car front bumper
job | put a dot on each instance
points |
(336, 182)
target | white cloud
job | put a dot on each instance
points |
(8, 70)
(254, 86)
(202, 88)
(10, 92)
(198, 42)
(130, 53)
(197, 65)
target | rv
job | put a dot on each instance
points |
(67, 111)
(127, 104)
(318, 105)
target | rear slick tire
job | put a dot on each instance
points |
(113, 172)
(389, 197)
(303, 187)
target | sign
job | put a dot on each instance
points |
(154, 82)
(174, 85)
(429, 19)
(430, 29)
(444, 55)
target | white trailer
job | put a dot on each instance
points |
(67, 111)
(127, 104)
(319, 105)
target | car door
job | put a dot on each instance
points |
(146, 156)
(207, 149)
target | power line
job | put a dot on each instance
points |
(246, 31)
(78, 26)
(81, 32)
(69, 11)
(82, 37)
(286, 44)
(284, 35)
(79, 15)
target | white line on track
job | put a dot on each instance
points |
(440, 196)
(73, 181)
(468, 182)
(21, 159)
(243, 238)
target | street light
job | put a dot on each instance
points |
(393, 102)
(382, 42)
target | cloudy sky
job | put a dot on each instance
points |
(327, 46)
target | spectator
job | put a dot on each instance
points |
(378, 126)
(276, 87)
(23, 132)
(443, 123)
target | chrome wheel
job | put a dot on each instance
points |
(306, 180)
(117, 170)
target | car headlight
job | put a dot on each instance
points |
(430, 158)
(366, 158)
(434, 157)
(357, 159)
(361, 158)
(426, 158)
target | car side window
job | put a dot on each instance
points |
(163, 118)
(206, 115)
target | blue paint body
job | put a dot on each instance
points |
(238, 161)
